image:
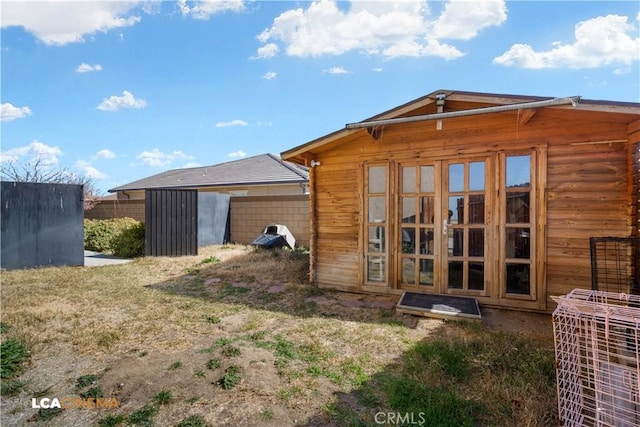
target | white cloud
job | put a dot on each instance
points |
(267, 51)
(390, 28)
(270, 75)
(336, 70)
(105, 154)
(9, 112)
(238, 153)
(268, 123)
(127, 100)
(599, 41)
(156, 157)
(430, 47)
(377, 70)
(34, 151)
(85, 68)
(462, 20)
(622, 71)
(205, 8)
(231, 123)
(50, 21)
(89, 171)
(191, 165)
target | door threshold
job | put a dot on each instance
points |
(439, 306)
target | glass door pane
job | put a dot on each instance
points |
(465, 225)
(376, 229)
(417, 212)
(518, 225)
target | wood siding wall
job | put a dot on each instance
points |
(634, 166)
(586, 192)
(338, 203)
(587, 197)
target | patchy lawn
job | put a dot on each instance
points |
(236, 336)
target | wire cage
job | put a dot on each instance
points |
(615, 264)
(596, 337)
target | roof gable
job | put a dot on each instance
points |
(455, 101)
(257, 170)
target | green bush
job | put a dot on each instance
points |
(129, 243)
(98, 234)
(120, 236)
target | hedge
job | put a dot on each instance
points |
(122, 237)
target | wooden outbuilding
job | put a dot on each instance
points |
(483, 195)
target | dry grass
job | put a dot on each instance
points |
(296, 359)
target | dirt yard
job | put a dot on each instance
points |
(236, 337)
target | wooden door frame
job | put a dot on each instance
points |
(537, 299)
(440, 205)
(396, 255)
(495, 286)
(491, 256)
(364, 241)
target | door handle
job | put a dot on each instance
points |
(445, 227)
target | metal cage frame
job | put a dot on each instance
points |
(597, 346)
(615, 264)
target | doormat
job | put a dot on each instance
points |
(441, 306)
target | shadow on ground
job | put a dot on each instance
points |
(496, 372)
(276, 281)
(463, 374)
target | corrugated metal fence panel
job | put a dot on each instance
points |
(171, 222)
(214, 223)
(41, 225)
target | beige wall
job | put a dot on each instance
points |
(107, 209)
(249, 215)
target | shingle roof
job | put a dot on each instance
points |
(256, 170)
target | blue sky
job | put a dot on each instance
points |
(120, 91)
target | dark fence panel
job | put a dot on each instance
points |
(41, 225)
(171, 222)
(214, 225)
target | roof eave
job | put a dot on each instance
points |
(196, 186)
(291, 155)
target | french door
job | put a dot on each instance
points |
(459, 226)
(443, 226)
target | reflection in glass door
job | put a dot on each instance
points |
(376, 229)
(417, 225)
(463, 226)
(518, 225)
